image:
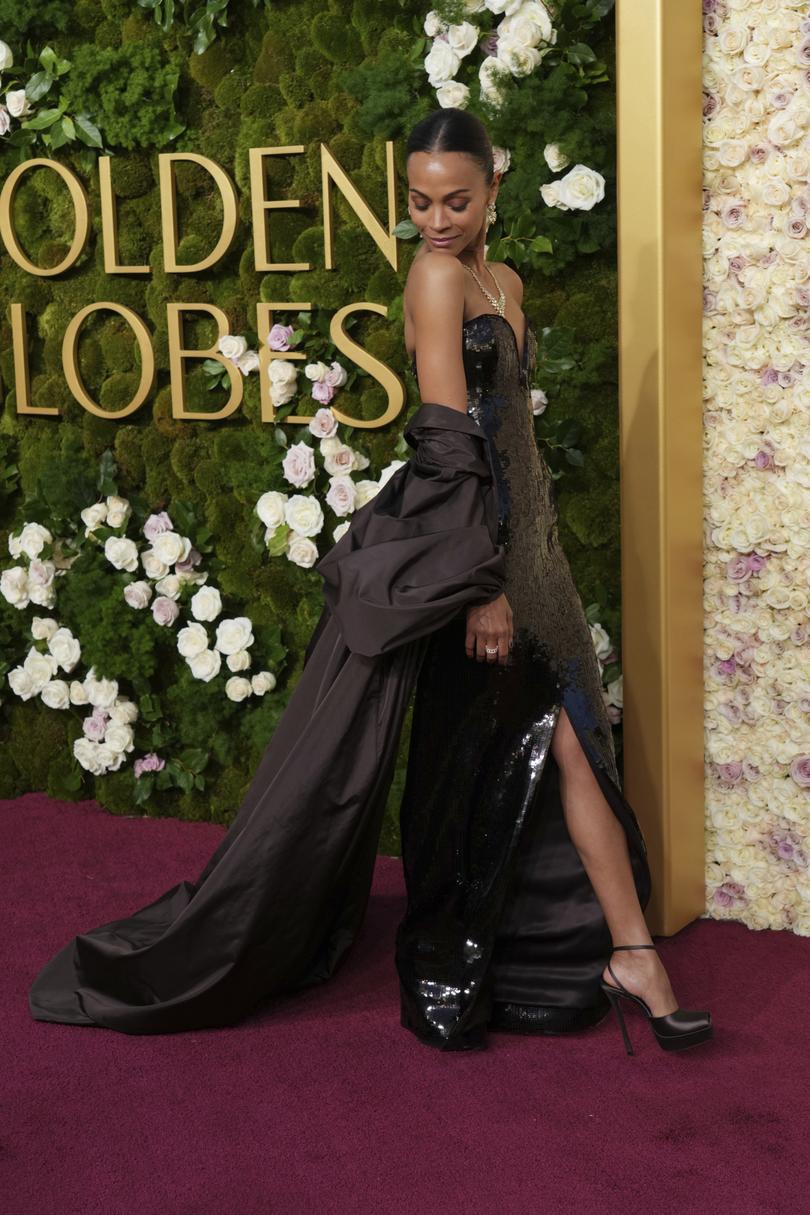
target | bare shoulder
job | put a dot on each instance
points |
(435, 279)
(508, 275)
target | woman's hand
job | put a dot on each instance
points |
(489, 624)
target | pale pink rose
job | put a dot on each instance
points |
(737, 569)
(324, 424)
(148, 763)
(730, 774)
(95, 725)
(758, 153)
(156, 524)
(322, 391)
(727, 667)
(800, 770)
(763, 459)
(165, 610)
(186, 566)
(730, 894)
(5, 120)
(756, 562)
(341, 495)
(336, 375)
(279, 337)
(733, 215)
(298, 465)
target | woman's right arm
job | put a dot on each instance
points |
(435, 297)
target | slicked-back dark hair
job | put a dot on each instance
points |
(453, 130)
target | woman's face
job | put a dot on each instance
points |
(447, 199)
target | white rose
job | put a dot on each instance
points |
(31, 541)
(100, 692)
(118, 510)
(14, 586)
(521, 60)
(205, 665)
(93, 516)
(87, 753)
(171, 586)
(119, 736)
(206, 603)
(164, 611)
(6, 56)
(234, 633)
(232, 347)
(43, 628)
(462, 38)
(238, 688)
(138, 594)
(191, 640)
(601, 641)
(238, 661)
(364, 491)
(522, 29)
(304, 514)
(17, 103)
(270, 508)
(152, 565)
(121, 553)
(581, 188)
(65, 649)
(282, 371)
(453, 93)
(40, 582)
(170, 547)
(433, 24)
(501, 159)
(40, 667)
(341, 495)
(56, 694)
(614, 691)
(503, 6)
(22, 683)
(539, 400)
(493, 76)
(340, 530)
(316, 371)
(78, 693)
(474, 6)
(248, 362)
(555, 158)
(124, 710)
(441, 63)
(301, 550)
(263, 681)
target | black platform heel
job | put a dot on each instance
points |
(673, 1031)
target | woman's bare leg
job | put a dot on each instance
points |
(600, 840)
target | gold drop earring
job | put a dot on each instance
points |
(492, 214)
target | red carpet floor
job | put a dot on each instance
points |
(323, 1103)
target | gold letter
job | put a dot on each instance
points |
(81, 225)
(177, 354)
(383, 374)
(109, 223)
(259, 204)
(331, 170)
(71, 366)
(168, 211)
(22, 382)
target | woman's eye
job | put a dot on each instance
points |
(461, 208)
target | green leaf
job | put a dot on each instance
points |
(87, 131)
(277, 543)
(38, 85)
(574, 456)
(42, 120)
(406, 229)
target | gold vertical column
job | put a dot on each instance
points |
(659, 118)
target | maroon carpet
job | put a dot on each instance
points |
(323, 1103)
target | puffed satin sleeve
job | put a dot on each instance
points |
(425, 546)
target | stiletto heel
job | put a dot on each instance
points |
(673, 1031)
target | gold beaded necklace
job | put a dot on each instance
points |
(498, 304)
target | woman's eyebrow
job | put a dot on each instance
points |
(460, 190)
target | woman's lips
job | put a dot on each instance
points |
(444, 240)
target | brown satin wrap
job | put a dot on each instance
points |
(281, 899)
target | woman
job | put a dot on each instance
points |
(450, 579)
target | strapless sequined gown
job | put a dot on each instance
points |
(503, 928)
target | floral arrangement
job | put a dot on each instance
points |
(757, 545)
(293, 520)
(169, 563)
